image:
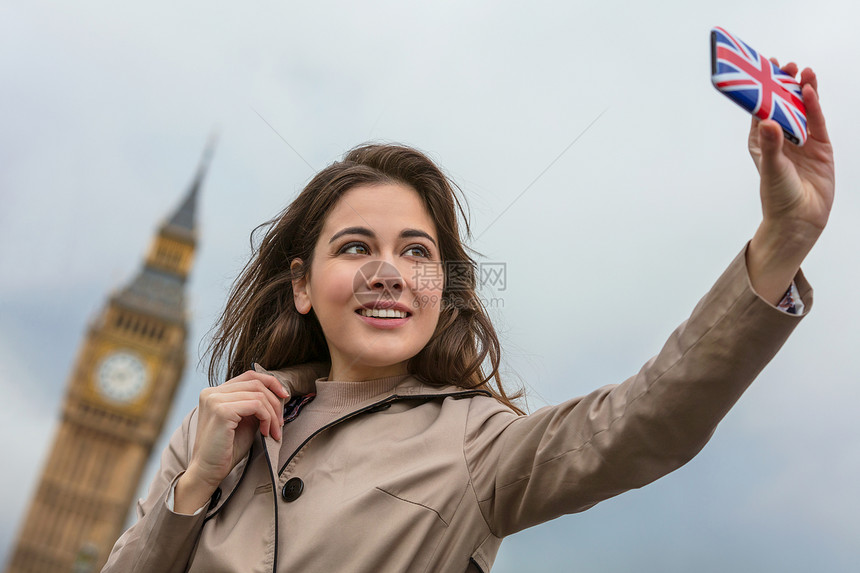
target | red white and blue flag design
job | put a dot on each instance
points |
(756, 84)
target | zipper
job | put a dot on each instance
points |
(386, 401)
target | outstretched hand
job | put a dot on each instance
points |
(797, 188)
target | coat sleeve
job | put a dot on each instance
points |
(165, 541)
(562, 459)
(161, 540)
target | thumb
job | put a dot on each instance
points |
(773, 162)
(771, 142)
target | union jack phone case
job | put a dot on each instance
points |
(757, 85)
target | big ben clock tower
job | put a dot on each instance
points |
(118, 395)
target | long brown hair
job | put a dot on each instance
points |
(261, 324)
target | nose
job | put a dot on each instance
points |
(384, 276)
(376, 281)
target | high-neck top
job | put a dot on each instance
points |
(334, 398)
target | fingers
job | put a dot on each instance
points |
(814, 116)
(807, 76)
(790, 68)
(228, 418)
(234, 407)
(246, 399)
(251, 394)
(268, 381)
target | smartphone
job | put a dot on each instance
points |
(757, 85)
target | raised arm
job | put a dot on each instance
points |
(565, 458)
(797, 186)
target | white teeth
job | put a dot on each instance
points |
(382, 313)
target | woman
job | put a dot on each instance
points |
(368, 436)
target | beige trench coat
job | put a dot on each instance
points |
(431, 479)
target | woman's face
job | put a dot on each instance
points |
(375, 281)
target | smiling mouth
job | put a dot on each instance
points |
(382, 313)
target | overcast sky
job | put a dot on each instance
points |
(106, 107)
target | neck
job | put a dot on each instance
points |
(358, 372)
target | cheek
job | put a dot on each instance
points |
(332, 291)
(426, 278)
(427, 281)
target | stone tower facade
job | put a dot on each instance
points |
(118, 395)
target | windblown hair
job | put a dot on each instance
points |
(261, 324)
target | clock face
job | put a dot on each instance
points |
(121, 377)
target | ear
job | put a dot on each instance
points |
(301, 297)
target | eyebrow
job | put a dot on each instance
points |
(405, 233)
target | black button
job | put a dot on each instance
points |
(216, 496)
(292, 489)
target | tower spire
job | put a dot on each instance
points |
(159, 287)
(183, 219)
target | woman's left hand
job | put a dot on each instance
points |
(797, 188)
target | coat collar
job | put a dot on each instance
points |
(301, 380)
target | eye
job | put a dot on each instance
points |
(354, 248)
(418, 251)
